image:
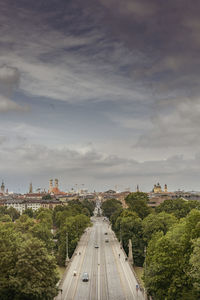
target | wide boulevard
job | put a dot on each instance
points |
(110, 275)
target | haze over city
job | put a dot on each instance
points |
(100, 93)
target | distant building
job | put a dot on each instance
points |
(2, 188)
(31, 188)
(22, 204)
(54, 190)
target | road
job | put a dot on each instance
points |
(110, 276)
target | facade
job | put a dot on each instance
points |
(22, 204)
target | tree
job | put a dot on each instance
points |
(90, 205)
(157, 222)
(29, 212)
(167, 260)
(46, 216)
(41, 282)
(129, 226)
(47, 197)
(24, 224)
(13, 213)
(74, 226)
(138, 202)
(179, 207)
(110, 206)
(27, 270)
(5, 218)
(43, 233)
(194, 272)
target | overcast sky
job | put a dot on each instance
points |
(100, 93)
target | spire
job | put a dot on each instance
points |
(137, 188)
(2, 187)
(56, 183)
(30, 188)
(50, 185)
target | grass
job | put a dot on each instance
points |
(139, 271)
(61, 271)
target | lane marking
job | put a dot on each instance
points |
(86, 240)
(104, 268)
(118, 268)
(98, 273)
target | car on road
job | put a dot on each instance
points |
(96, 246)
(105, 233)
(85, 276)
(106, 240)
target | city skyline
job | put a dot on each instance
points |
(101, 93)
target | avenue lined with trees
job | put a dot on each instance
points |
(169, 237)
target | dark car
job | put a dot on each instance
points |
(85, 276)
(96, 246)
(106, 240)
(105, 233)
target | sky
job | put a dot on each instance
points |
(100, 94)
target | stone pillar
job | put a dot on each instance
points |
(130, 252)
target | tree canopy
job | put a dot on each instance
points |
(28, 271)
(138, 203)
(110, 207)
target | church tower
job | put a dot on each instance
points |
(56, 183)
(165, 189)
(30, 188)
(50, 185)
(2, 187)
(137, 188)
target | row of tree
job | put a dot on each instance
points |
(166, 241)
(29, 252)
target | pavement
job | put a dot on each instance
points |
(110, 275)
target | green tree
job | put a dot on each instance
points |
(110, 206)
(138, 202)
(195, 265)
(29, 212)
(167, 260)
(5, 218)
(43, 233)
(35, 272)
(74, 226)
(129, 226)
(46, 216)
(179, 207)
(90, 205)
(157, 222)
(13, 213)
(28, 272)
(47, 197)
(24, 224)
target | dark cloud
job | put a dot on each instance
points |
(78, 165)
(135, 62)
(9, 82)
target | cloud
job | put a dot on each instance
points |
(175, 124)
(131, 7)
(95, 168)
(9, 81)
(7, 105)
(3, 139)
